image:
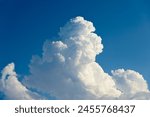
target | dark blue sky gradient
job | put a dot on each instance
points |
(124, 26)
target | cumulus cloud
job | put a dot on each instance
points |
(12, 88)
(131, 83)
(67, 69)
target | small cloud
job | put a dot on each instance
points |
(11, 87)
(131, 83)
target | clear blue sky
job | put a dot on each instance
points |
(124, 26)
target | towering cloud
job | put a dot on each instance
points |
(67, 69)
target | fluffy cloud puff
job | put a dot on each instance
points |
(131, 83)
(11, 87)
(67, 69)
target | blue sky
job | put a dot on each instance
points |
(123, 25)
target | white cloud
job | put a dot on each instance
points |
(11, 87)
(131, 83)
(67, 69)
